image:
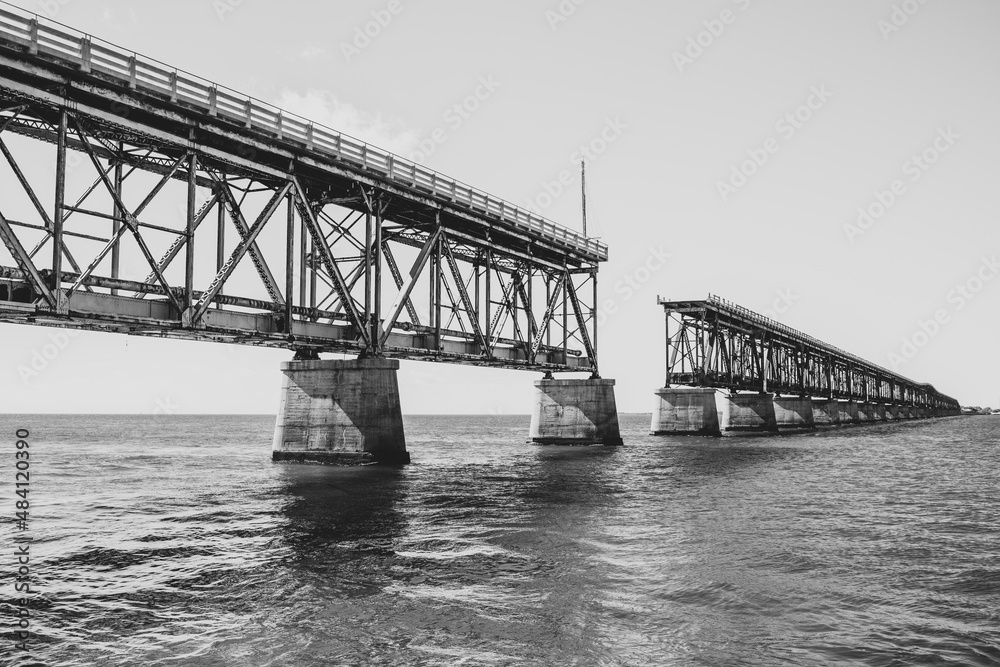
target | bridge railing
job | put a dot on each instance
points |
(39, 35)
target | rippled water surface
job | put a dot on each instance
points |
(169, 540)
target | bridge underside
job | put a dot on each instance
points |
(138, 209)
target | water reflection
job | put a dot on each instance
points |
(343, 524)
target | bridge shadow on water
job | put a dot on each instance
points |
(697, 457)
(342, 525)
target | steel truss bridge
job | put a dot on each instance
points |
(170, 206)
(715, 343)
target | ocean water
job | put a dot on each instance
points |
(174, 540)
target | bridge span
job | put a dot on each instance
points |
(171, 206)
(732, 370)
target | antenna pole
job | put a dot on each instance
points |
(583, 181)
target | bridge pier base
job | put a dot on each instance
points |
(343, 412)
(575, 412)
(825, 412)
(751, 412)
(690, 411)
(848, 412)
(793, 412)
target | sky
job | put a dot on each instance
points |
(832, 165)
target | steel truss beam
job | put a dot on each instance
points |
(473, 294)
(714, 343)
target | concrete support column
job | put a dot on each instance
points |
(751, 412)
(690, 411)
(575, 412)
(864, 413)
(848, 412)
(343, 412)
(793, 412)
(826, 412)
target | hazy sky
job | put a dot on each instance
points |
(747, 137)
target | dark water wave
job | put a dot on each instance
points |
(175, 541)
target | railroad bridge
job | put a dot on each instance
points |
(732, 370)
(172, 206)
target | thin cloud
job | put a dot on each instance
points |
(323, 107)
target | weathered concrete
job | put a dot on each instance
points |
(877, 412)
(793, 412)
(826, 412)
(751, 412)
(848, 412)
(865, 414)
(892, 412)
(344, 412)
(575, 412)
(690, 410)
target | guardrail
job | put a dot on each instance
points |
(91, 55)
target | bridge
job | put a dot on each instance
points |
(176, 207)
(730, 369)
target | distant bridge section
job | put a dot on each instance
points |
(715, 343)
(731, 369)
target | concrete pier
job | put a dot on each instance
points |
(793, 412)
(848, 412)
(690, 410)
(575, 412)
(825, 412)
(344, 412)
(877, 412)
(708, 411)
(751, 412)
